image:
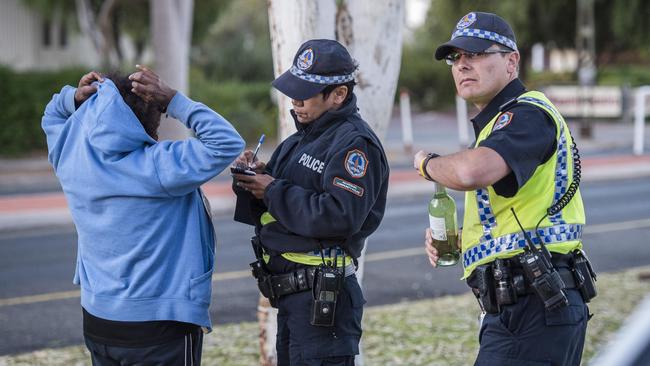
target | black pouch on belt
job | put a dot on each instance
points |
(482, 283)
(261, 274)
(584, 275)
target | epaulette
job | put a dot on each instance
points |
(507, 104)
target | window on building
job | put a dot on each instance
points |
(47, 33)
(63, 35)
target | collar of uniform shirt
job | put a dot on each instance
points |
(514, 89)
(324, 122)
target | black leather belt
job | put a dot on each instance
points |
(292, 282)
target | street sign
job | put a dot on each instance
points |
(587, 102)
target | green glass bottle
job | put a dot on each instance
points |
(444, 226)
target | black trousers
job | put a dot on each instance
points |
(184, 351)
(301, 344)
(525, 334)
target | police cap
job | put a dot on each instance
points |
(317, 64)
(476, 32)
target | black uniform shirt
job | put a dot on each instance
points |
(526, 141)
(330, 185)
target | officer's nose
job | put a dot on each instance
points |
(463, 62)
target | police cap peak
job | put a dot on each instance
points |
(317, 64)
(476, 32)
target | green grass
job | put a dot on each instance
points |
(440, 331)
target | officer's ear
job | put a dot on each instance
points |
(513, 63)
(339, 94)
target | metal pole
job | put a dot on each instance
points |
(639, 118)
(463, 122)
(407, 123)
(586, 47)
(630, 342)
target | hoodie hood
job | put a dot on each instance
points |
(112, 126)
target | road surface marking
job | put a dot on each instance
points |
(374, 257)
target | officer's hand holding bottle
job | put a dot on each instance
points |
(432, 252)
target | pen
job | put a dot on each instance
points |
(257, 148)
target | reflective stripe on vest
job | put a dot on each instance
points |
(510, 242)
(485, 212)
(561, 171)
(312, 258)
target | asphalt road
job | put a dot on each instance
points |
(39, 306)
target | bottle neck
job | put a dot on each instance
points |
(439, 189)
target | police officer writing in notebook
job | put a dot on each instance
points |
(321, 194)
(521, 244)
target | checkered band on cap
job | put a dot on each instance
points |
(561, 167)
(484, 34)
(509, 242)
(319, 79)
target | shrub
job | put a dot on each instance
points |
(23, 97)
(247, 106)
(428, 81)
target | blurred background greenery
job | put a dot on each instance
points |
(231, 64)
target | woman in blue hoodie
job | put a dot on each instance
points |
(146, 242)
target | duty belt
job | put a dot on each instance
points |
(292, 282)
(273, 286)
(297, 281)
(483, 283)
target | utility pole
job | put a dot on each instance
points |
(586, 47)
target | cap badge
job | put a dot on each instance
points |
(306, 59)
(466, 21)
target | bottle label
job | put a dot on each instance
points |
(438, 228)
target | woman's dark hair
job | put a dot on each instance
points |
(147, 113)
(330, 88)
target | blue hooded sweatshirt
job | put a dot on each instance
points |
(146, 242)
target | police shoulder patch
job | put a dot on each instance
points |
(350, 187)
(503, 120)
(306, 59)
(466, 21)
(356, 163)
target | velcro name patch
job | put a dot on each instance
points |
(350, 187)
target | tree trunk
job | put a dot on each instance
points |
(99, 30)
(171, 32)
(291, 24)
(372, 32)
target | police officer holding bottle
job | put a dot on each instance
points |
(321, 194)
(521, 243)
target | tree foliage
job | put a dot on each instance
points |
(237, 46)
(622, 36)
(127, 17)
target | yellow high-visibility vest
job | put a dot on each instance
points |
(490, 230)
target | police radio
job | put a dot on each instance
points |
(541, 274)
(327, 284)
(328, 280)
